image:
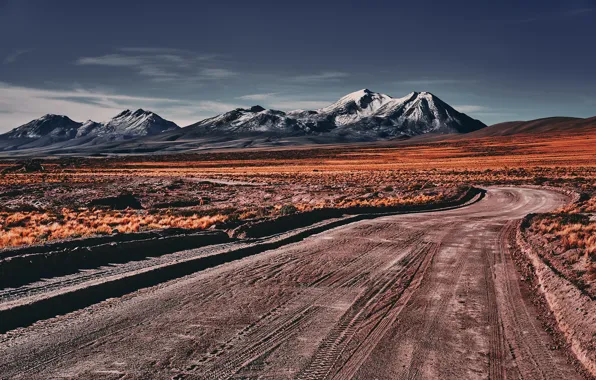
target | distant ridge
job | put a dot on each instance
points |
(545, 125)
(53, 129)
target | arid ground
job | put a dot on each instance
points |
(451, 259)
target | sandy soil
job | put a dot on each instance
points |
(427, 296)
(573, 309)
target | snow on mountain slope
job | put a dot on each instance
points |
(88, 128)
(366, 113)
(355, 106)
(254, 120)
(359, 116)
(52, 129)
(137, 123)
(128, 123)
(57, 126)
(418, 113)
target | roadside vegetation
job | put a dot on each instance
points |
(21, 228)
(568, 241)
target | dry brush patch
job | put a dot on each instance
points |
(568, 241)
(33, 227)
(257, 184)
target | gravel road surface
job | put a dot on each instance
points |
(419, 296)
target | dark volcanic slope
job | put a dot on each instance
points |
(419, 296)
(546, 125)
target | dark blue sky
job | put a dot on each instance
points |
(185, 60)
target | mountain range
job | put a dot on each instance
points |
(53, 129)
(359, 116)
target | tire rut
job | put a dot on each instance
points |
(426, 340)
(381, 296)
(275, 327)
(534, 360)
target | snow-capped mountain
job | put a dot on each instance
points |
(355, 106)
(415, 114)
(128, 123)
(360, 114)
(51, 129)
(256, 120)
(57, 126)
(88, 127)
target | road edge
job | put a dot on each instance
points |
(70, 300)
(568, 306)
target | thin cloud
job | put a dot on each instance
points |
(217, 107)
(547, 16)
(11, 58)
(495, 114)
(483, 111)
(284, 101)
(117, 60)
(470, 108)
(161, 64)
(430, 82)
(169, 52)
(19, 105)
(326, 76)
(291, 105)
(216, 73)
(258, 96)
(153, 50)
(157, 72)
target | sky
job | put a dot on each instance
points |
(494, 60)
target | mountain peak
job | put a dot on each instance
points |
(54, 126)
(422, 94)
(50, 116)
(426, 94)
(357, 95)
(138, 123)
(123, 113)
(140, 112)
(355, 105)
(257, 108)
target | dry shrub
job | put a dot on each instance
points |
(575, 236)
(390, 201)
(35, 227)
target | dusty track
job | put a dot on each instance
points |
(417, 296)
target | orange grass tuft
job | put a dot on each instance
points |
(35, 227)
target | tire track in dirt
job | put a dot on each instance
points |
(525, 337)
(277, 326)
(432, 316)
(348, 276)
(380, 296)
(380, 325)
(496, 353)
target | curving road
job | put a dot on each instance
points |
(418, 296)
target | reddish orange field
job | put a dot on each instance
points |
(196, 191)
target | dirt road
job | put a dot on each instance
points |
(419, 296)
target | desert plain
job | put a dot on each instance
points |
(428, 258)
